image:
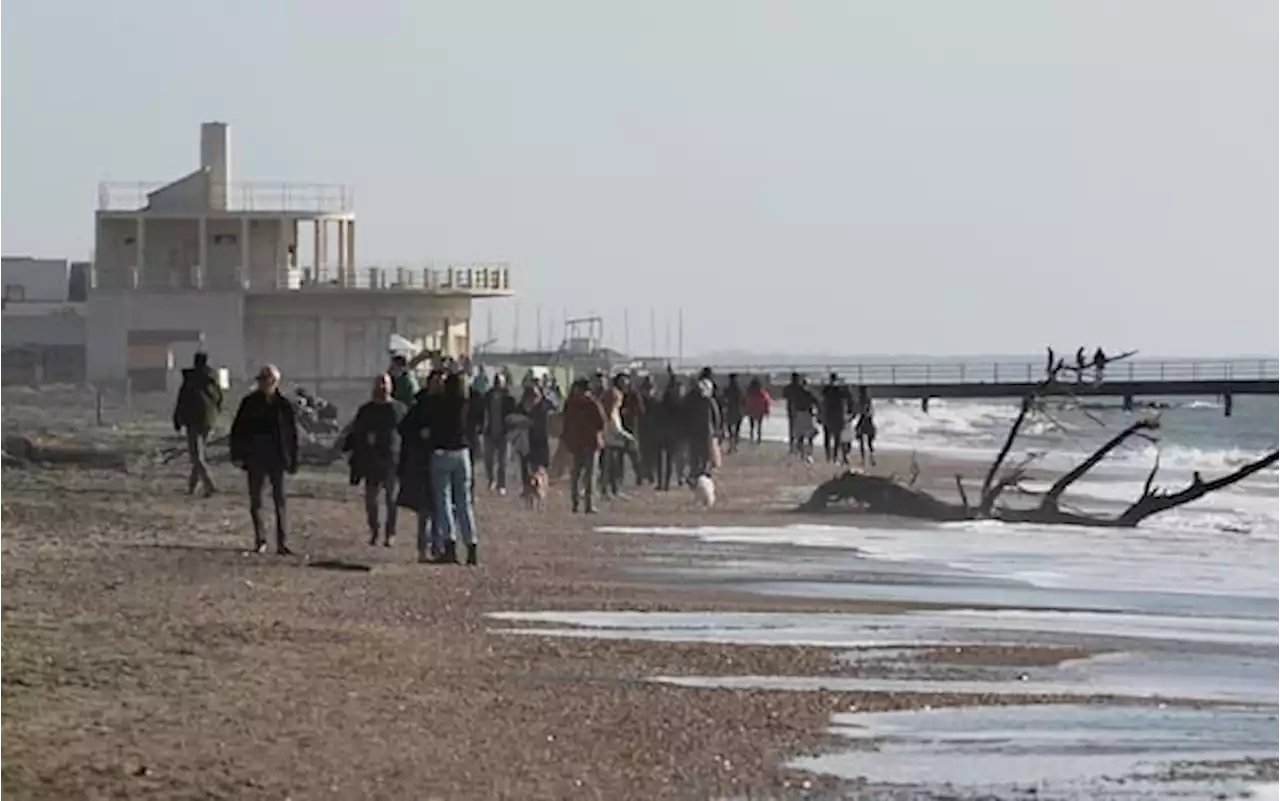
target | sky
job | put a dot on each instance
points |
(914, 176)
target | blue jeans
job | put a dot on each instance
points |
(428, 540)
(451, 489)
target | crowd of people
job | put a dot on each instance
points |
(417, 447)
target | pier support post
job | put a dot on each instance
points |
(1226, 404)
(1128, 403)
(924, 404)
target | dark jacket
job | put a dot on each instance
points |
(264, 434)
(733, 402)
(633, 410)
(199, 399)
(837, 405)
(475, 419)
(539, 432)
(702, 418)
(414, 468)
(497, 404)
(583, 424)
(668, 414)
(374, 440)
(450, 423)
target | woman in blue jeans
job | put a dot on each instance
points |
(451, 470)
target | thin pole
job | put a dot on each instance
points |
(538, 326)
(667, 355)
(680, 339)
(515, 330)
(653, 332)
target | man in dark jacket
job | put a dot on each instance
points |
(732, 404)
(197, 409)
(264, 443)
(583, 436)
(837, 408)
(374, 444)
(498, 403)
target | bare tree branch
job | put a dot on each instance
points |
(1055, 492)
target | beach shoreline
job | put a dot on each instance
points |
(147, 655)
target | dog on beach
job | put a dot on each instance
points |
(535, 490)
(704, 490)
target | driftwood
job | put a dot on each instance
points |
(885, 495)
(21, 451)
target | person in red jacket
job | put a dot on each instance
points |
(584, 424)
(758, 403)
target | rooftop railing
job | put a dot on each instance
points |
(260, 196)
(479, 278)
(1007, 372)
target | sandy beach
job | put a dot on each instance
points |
(147, 655)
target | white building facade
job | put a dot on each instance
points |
(205, 262)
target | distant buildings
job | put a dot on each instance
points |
(44, 319)
(204, 262)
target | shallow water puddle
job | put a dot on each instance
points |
(908, 628)
(1057, 751)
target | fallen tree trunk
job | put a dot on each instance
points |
(885, 495)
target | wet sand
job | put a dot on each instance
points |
(146, 655)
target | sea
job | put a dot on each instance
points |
(1181, 612)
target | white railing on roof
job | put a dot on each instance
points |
(477, 278)
(244, 196)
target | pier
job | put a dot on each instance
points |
(1128, 380)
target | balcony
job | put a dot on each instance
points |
(262, 197)
(481, 279)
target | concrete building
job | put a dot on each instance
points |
(44, 325)
(257, 273)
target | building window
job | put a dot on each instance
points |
(14, 293)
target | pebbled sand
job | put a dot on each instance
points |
(146, 656)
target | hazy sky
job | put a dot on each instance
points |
(861, 177)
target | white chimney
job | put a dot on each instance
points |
(215, 160)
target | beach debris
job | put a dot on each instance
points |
(887, 495)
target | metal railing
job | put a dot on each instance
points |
(243, 196)
(480, 278)
(1009, 372)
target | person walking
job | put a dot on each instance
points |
(837, 406)
(702, 416)
(451, 470)
(632, 413)
(617, 442)
(374, 444)
(264, 443)
(584, 424)
(414, 469)
(796, 396)
(865, 426)
(758, 405)
(197, 408)
(498, 403)
(404, 384)
(534, 445)
(733, 412)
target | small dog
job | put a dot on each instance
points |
(704, 489)
(535, 490)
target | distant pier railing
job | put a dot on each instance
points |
(1019, 372)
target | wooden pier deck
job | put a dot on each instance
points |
(1127, 380)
